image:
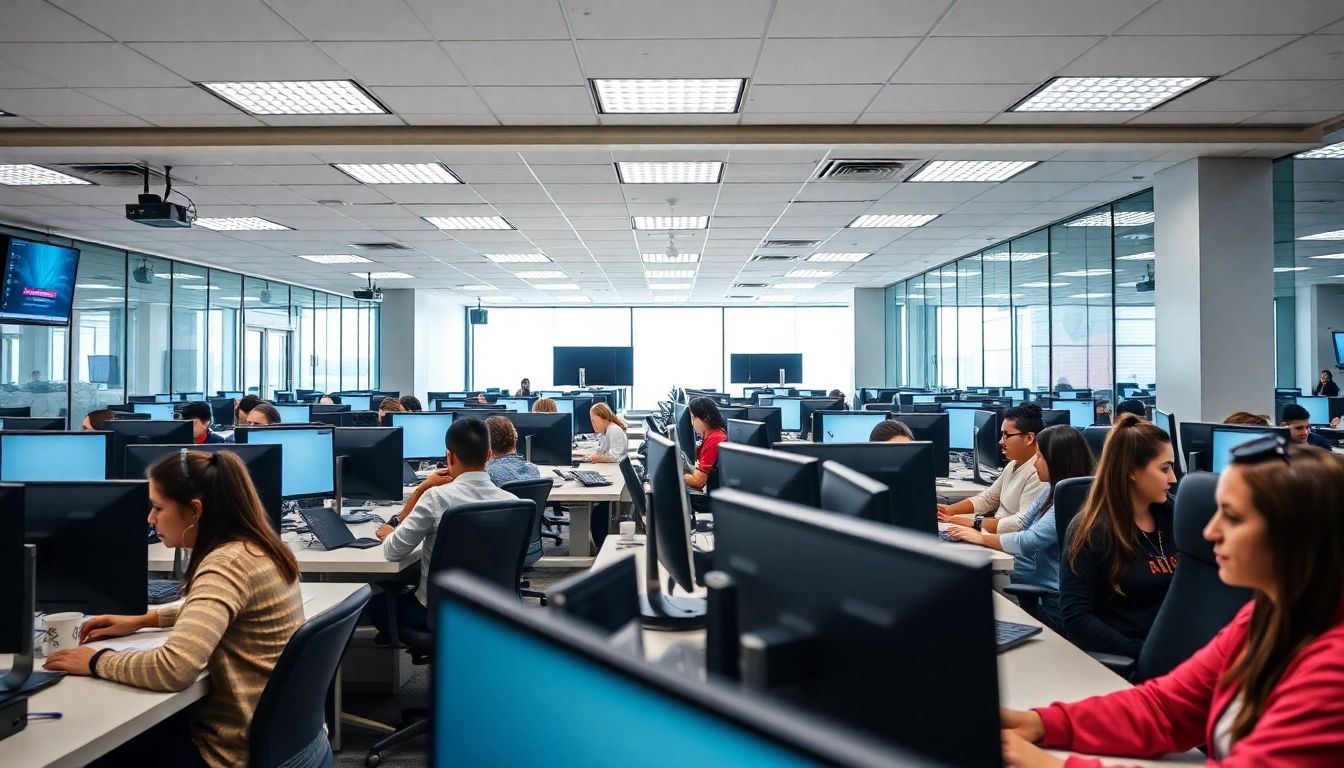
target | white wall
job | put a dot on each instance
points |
(422, 343)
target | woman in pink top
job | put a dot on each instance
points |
(1269, 689)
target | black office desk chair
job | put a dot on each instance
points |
(288, 720)
(634, 485)
(538, 491)
(488, 539)
(1070, 495)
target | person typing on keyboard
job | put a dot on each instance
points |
(464, 482)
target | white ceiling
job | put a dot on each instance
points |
(133, 64)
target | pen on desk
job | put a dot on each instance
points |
(44, 715)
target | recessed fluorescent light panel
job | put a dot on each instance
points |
(894, 220)
(475, 288)
(468, 222)
(557, 287)
(550, 275)
(399, 173)
(971, 170)
(1120, 219)
(809, 273)
(1328, 152)
(573, 299)
(669, 286)
(335, 258)
(26, 175)
(794, 286)
(1105, 94)
(298, 97)
(669, 274)
(663, 97)
(1147, 256)
(670, 299)
(1337, 234)
(383, 275)
(670, 173)
(670, 258)
(1330, 256)
(238, 224)
(850, 257)
(1291, 269)
(518, 258)
(671, 222)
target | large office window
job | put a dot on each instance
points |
(897, 349)
(663, 338)
(191, 287)
(148, 297)
(998, 317)
(1080, 300)
(226, 304)
(824, 336)
(517, 343)
(1135, 317)
(1029, 262)
(98, 325)
(970, 323)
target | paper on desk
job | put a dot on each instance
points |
(142, 640)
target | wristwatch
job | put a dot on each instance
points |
(394, 520)
(979, 520)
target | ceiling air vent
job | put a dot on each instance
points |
(790, 243)
(865, 170)
(749, 286)
(774, 257)
(119, 174)
(379, 246)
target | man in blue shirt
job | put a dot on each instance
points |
(1297, 420)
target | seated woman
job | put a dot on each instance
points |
(545, 405)
(411, 403)
(611, 439)
(241, 605)
(524, 389)
(1121, 552)
(1249, 419)
(710, 425)
(505, 464)
(329, 400)
(1268, 690)
(263, 414)
(1062, 453)
(891, 431)
(95, 420)
(389, 405)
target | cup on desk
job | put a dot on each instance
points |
(60, 632)
(627, 530)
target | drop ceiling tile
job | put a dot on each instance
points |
(575, 174)
(352, 19)
(203, 62)
(189, 100)
(948, 98)
(1166, 55)
(1245, 95)
(183, 20)
(1060, 118)
(623, 19)
(89, 121)
(457, 119)
(1328, 99)
(493, 19)
(512, 193)
(1028, 60)
(354, 194)
(1232, 17)
(522, 100)
(81, 65)
(1315, 56)
(796, 118)
(948, 193)
(925, 118)
(1013, 18)
(330, 120)
(527, 62)
(816, 99)
(1284, 117)
(203, 121)
(430, 100)
(1165, 117)
(414, 194)
(585, 193)
(856, 18)
(669, 58)
(768, 172)
(547, 119)
(38, 21)
(813, 60)
(395, 63)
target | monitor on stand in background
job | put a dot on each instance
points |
(768, 473)
(845, 426)
(55, 456)
(1054, 418)
(549, 435)
(906, 468)
(1167, 422)
(932, 428)
(988, 454)
(771, 416)
(371, 463)
(263, 466)
(127, 432)
(307, 456)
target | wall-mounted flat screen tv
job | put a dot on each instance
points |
(39, 282)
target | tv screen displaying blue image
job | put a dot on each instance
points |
(39, 283)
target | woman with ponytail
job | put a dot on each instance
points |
(241, 605)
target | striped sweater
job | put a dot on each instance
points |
(234, 623)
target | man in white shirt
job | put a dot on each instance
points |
(1001, 508)
(464, 482)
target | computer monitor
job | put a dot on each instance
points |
(424, 435)
(770, 416)
(1288, 391)
(232, 395)
(14, 598)
(1082, 413)
(1055, 417)
(499, 650)
(517, 404)
(552, 436)
(222, 411)
(932, 428)
(329, 408)
(733, 411)
(1318, 408)
(790, 412)
(751, 433)
(1196, 442)
(24, 410)
(1167, 422)
(152, 432)
(448, 405)
(1095, 435)
(845, 426)
(769, 473)
(670, 510)
(988, 453)
(160, 411)
(916, 399)
(861, 643)
(263, 466)
(606, 599)
(1228, 436)
(960, 429)
(579, 406)
(40, 423)
(295, 414)
(308, 457)
(906, 468)
(847, 492)
(685, 433)
(360, 402)
(90, 538)
(371, 462)
(54, 456)
(810, 405)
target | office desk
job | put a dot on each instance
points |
(1001, 562)
(1041, 671)
(99, 715)
(581, 500)
(961, 487)
(363, 563)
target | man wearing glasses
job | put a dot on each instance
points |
(1001, 507)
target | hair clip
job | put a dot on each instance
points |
(183, 457)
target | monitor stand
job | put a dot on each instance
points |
(657, 610)
(21, 678)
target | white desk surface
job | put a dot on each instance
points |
(574, 491)
(1043, 670)
(999, 561)
(99, 715)
(960, 488)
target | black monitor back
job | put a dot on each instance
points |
(13, 598)
(934, 428)
(847, 492)
(1054, 418)
(1197, 437)
(372, 463)
(42, 423)
(769, 473)
(136, 432)
(733, 412)
(987, 433)
(810, 405)
(1096, 435)
(751, 433)
(552, 436)
(222, 411)
(668, 506)
(263, 466)
(906, 468)
(18, 410)
(583, 422)
(91, 553)
(771, 416)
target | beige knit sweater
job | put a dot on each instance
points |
(234, 624)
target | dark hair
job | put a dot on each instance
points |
(1329, 375)
(411, 403)
(503, 435)
(196, 410)
(230, 508)
(1295, 412)
(267, 410)
(100, 417)
(1245, 417)
(706, 410)
(335, 399)
(1132, 406)
(1108, 513)
(888, 429)
(1066, 456)
(1026, 417)
(469, 440)
(248, 402)
(1299, 499)
(836, 393)
(391, 405)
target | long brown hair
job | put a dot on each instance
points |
(1066, 456)
(1299, 500)
(1108, 513)
(100, 417)
(230, 508)
(545, 405)
(604, 410)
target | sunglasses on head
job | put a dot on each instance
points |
(1261, 449)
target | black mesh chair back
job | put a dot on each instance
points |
(488, 539)
(538, 491)
(1070, 496)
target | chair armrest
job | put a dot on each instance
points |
(393, 590)
(1028, 590)
(1120, 665)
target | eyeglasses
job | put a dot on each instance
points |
(1006, 435)
(1262, 448)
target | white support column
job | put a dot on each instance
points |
(870, 337)
(422, 343)
(1215, 288)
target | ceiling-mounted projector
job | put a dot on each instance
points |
(153, 211)
(368, 294)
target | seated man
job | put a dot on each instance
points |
(465, 482)
(200, 416)
(1298, 421)
(506, 465)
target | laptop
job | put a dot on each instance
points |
(326, 525)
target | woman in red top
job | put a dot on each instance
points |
(709, 424)
(1269, 689)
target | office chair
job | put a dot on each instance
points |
(488, 539)
(538, 491)
(1198, 604)
(1096, 435)
(635, 485)
(1070, 496)
(287, 724)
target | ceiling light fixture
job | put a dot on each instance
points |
(809, 273)
(468, 222)
(849, 257)
(335, 258)
(1148, 256)
(1330, 256)
(556, 286)
(662, 97)
(1016, 257)
(669, 274)
(398, 173)
(1291, 269)
(298, 97)
(238, 224)
(1328, 152)
(669, 286)
(573, 299)
(28, 175)
(670, 222)
(1084, 273)
(971, 170)
(547, 275)
(670, 172)
(1337, 234)
(670, 258)
(383, 276)
(893, 220)
(1105, 94)
(518, 258)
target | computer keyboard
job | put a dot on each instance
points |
(163, 591)
(589, 478)
(1009, 635)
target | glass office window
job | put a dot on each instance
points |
(226, 303)
(149, 291)
(970, 323)
(1135, 318)
(661, 337)
(1081, 314)
(191, 287)
(942, 290)
(373, 315)
(515, 345)
(998, 317)
(98, 338)
(824, 336)
(349, 343)
(918, 332)
(333, 314)
(1029, 264)
(897, 350)
(301, 310)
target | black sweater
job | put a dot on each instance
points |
(1326, 389)
(1095, 617)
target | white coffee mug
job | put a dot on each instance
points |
(61, 633)
(627, 530)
